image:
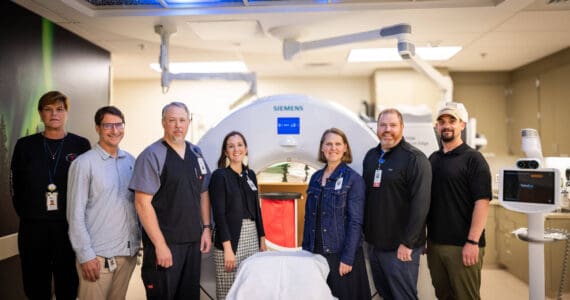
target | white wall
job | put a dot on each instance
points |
(209, 101)
(142, 101)
(348, 92)
(405, 87)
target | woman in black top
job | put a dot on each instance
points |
(39, 186)
(234, 197)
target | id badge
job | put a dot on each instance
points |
(51, 201)
(202, 166)
(338, 184)
(377, 178)
(112, 262)
(251, 184)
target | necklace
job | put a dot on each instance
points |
(53, 154)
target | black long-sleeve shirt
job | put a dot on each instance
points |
(35, 158)
(396, 211)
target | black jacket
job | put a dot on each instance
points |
(228, 205)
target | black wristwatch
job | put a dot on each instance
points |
(207, 226)
(472, 242)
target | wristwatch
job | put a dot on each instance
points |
(207, 226)
(472, 242)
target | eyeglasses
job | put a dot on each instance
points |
(58, 110)
(109, 126)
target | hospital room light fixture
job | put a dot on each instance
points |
(391, 54)
(204, 67)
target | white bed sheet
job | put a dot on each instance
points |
(296, 275)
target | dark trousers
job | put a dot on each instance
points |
(181, 281)
(395, 279)
(352, 286)
(46, 253)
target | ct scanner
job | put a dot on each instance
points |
(288, 128)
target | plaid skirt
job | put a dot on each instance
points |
(248, 245)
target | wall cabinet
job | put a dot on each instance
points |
(513, 253)
(538, 98)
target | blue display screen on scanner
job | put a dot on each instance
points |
(288, 125)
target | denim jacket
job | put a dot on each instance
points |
(342, 212)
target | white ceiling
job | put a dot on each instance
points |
(496, 35)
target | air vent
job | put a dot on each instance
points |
(123, 3)
(556, 2)
(318, 64)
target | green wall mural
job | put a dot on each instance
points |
(31, 122)
(37, 56)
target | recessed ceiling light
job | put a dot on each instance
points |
(204, 67)
(391, 54)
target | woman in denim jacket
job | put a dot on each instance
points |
(333, 218)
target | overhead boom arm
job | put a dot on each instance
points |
(406, 49)
(167, 77)
(292, 47)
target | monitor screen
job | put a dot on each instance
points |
(529, 186)
(288, 125)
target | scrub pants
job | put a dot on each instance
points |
(393, 278)
(181, 281)
(46, 253)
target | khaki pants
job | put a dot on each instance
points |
(450, 278)
(111, 285)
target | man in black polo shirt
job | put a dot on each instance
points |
(398, 180)
(459, 204)
(170, 181)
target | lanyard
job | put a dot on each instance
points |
(338, 180)
(249, 181)
(58, 151)
(381, 159)
(340, 175)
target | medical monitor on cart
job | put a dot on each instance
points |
(529, 190)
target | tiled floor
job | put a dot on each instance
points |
(497, 284)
